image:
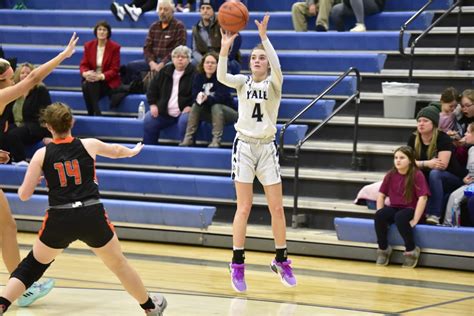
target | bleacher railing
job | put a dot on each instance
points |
(298, 219)
(401, 48)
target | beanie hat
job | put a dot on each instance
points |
(207, 2)
(430, 112)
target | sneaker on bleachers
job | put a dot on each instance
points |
(35, 292)
(359, 27)
(411, 258)
(237, 277)
(284, 270)
(160, 305)
(383, 256)
(133, 12)
(118, 11)
(432, 220)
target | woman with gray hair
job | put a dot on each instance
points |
(170, 96)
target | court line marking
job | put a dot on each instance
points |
(307, 272)
(257, 267)
(437, 304)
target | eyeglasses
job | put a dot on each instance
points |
(466, 105)
(180, 56)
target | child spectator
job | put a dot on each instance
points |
(447, 117)
(408, 191)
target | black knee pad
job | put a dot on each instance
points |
(29, 270)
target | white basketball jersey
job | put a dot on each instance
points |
(258, 101)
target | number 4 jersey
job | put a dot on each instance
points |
(258, 101)
(70, 172)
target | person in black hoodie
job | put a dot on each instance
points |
(357, 8)
(26, 111)
(169, 96)
(212, 101)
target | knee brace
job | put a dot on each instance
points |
(30, 270)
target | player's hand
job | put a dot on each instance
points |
(135, 150)
(227, 38)
(71, 47)
(262, 26)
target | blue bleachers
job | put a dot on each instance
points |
(290, 61)
(434, 237)
(288, 107)
(129, 211)
(146, 183)
(279, 20)
(387, 40)
(131, 128)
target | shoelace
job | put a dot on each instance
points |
(238, 273)
(285, 266)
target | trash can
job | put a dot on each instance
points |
(399, 99)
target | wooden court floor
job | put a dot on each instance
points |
(196, 281)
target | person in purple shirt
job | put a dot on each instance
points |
(408, 191)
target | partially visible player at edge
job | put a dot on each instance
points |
(9, 92)
(255, 151)
(75, 211)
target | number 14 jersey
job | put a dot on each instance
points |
(70, 172)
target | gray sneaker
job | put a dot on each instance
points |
(383, 256)
(159, 308)
(411, 258)
(432, 220)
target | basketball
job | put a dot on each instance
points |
(233, 16)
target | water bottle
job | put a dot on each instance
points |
(141, 110)
(198, 5)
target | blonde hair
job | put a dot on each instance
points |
(468, 93)
(4, 65)
(16, 77)
(432, 148)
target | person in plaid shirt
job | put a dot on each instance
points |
(163, 36)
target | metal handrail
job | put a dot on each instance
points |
(295, 157)
(425, 32)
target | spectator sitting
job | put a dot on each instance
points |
(163, 36)
(408, 191)
(100, 67)
(434, 156)
(301, 10)
(459, 193)
(170, 96)
(133, 10)
(207, 38)
(26, 112)
(186, 8)
(357, 8)
(447, 117)
(467, 100)
(212, 100)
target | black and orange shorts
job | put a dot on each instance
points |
(89, 224)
